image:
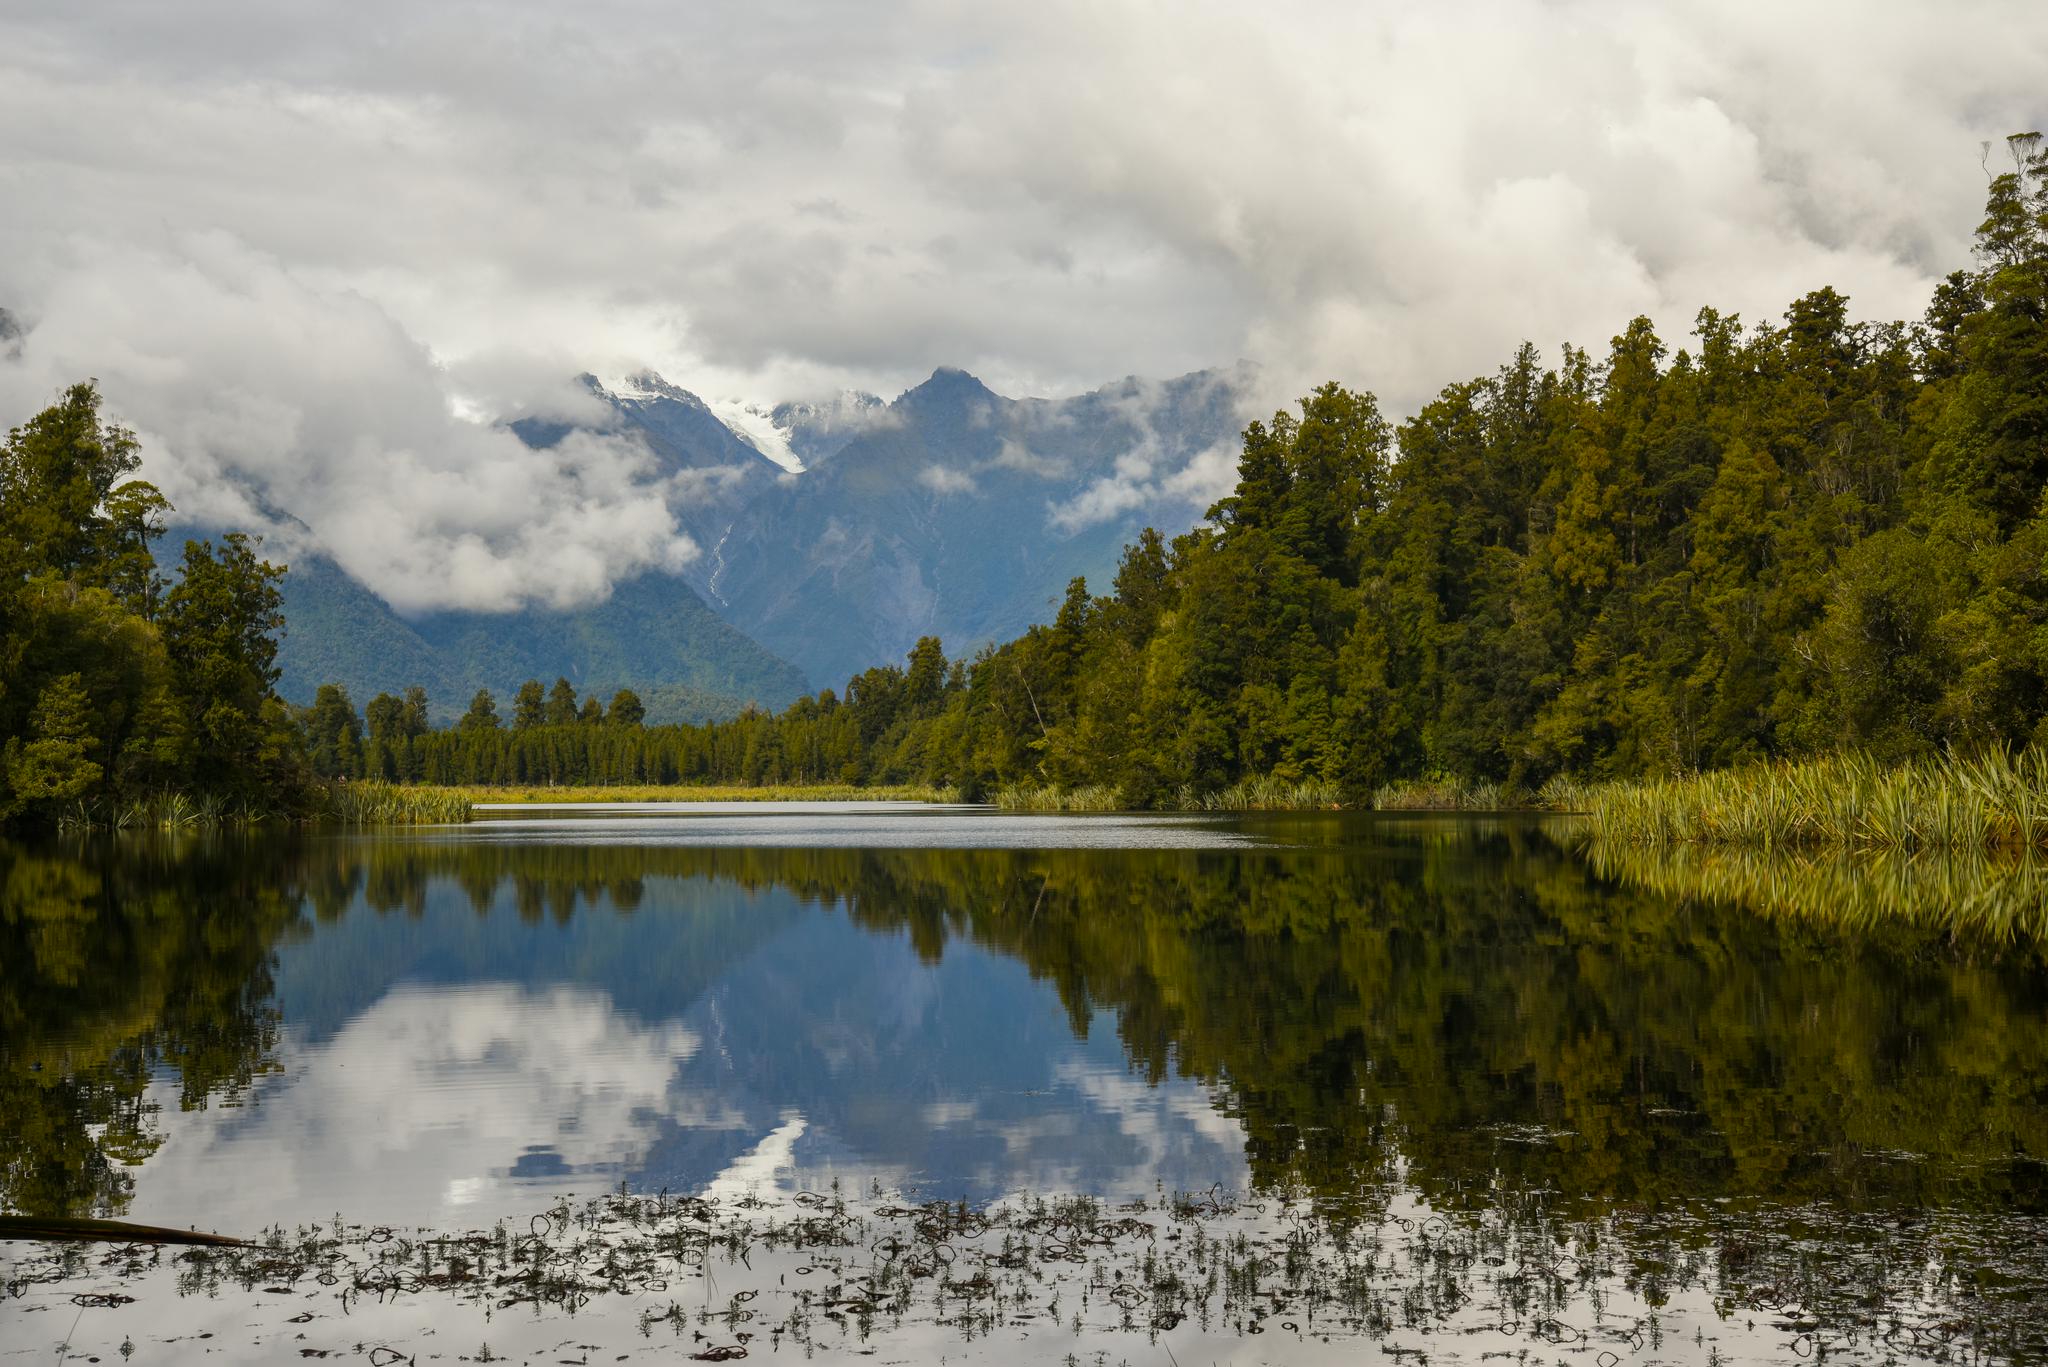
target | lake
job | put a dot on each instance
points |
(922, 1084)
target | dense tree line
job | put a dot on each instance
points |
(114, 680)
(1784, 538)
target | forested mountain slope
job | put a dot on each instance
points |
(653, 634)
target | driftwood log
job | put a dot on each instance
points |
(59, 1227)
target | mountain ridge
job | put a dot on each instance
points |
(950, 510)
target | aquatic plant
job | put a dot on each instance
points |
(392, 804)
(1050, 797)
(1267, 793)
(166, 811)
(822, 1270)
(945, 794)
(1450, 795)
(1996, 799)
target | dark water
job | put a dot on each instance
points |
(1366, 1019)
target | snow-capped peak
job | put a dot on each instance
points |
(751, 423)
(645, 385)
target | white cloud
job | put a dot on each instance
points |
(1014, 455)
(786, 201)
(1148, 473)
(256, 393)
(1105, 498)
(941, 479)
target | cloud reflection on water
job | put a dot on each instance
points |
(827, 1054)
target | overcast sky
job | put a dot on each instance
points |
(301, 244)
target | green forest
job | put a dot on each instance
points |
(1783, 539)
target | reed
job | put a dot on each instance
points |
(165, 811)
(700, 792)
(1050, 797)
(1994, 800)
(393, 804)
(1263, 794)
(1450, 795)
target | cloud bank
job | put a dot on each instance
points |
(312, 417)
(321, 234)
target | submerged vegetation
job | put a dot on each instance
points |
(814, 1271)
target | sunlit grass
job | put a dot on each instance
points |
(686, 792)
(1048, 797)
(392, 804)
(1264, 794)
(1996, 800)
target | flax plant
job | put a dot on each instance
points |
(1994, 800)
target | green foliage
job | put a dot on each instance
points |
(113, 692)
(626, 709)
(529, 706)
(220, 622)
(67, 510)
(482, 714)
(388, 804)
(561, 705)
(1996, 800)
(54, 764)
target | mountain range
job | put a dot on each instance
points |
(831, 535)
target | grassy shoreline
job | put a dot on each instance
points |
(1996, 801)
(1272, 794)
(695, 792)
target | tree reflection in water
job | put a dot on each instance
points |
(1466, 1015)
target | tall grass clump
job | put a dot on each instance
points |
(1994, 800)
(1450, 795)
(1264, 794)
(392, 804)
(167, 811)
(1050, 797)
(943, 794)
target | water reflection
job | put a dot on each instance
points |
(232, 1032)
(1970, 898)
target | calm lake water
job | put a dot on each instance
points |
(1339, 1087)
